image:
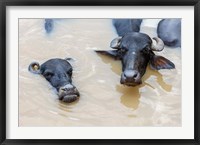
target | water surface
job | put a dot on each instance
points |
(103, 101)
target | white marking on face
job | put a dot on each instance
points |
(133, 53)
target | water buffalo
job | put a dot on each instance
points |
(135, 50)
(124, 26)
(59, 73)
(169, 30)
(48, 25)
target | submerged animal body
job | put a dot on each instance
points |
(124, 26)
(135, 50)
(58, 72)
(169, 30)
(48, 25)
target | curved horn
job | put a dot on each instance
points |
(34, 67)
(115, 43)
(159, 46)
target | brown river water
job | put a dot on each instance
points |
(103, 101)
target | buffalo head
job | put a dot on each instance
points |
(58, 73)
(135, 50)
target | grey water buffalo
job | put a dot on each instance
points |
(135, 50)
(124, 26)
(58, 72)
(169, 30)
(48, 25)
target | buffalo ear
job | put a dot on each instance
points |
(115, 43)
(34, 67)
(159, 62)
(111, 53)
(69, 60)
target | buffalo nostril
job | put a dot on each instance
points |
(135, 75)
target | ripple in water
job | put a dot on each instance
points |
(104, 101)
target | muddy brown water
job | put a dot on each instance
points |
(103, 101)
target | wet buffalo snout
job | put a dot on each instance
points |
(68, 93)
(130, 78)
(67, 87)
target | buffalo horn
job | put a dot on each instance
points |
(115, 43)
(159, 46)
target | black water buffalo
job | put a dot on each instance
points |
(135, 50)
(58, 72)
(169, 30)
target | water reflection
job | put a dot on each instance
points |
(159, 79)
(130, 95)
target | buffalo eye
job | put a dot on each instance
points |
(145, 50)
(70, 72)
(48, 75)
(122, 51)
